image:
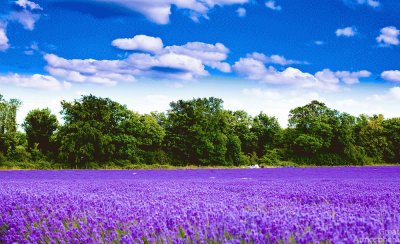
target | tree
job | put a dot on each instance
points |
(96, 130)
(314, 128)
(8, 124)
(233, 151)
(392, 134)
(240, 124)
(102, 131)
(370, 134)
(196, 132)
(267, 131)
(150, 137)
(39, 126)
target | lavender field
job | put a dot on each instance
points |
(297, 205)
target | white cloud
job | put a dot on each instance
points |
(186, 62)
(272, 5)
(241, 12)
(319, 43)
(32, 49)
(389, 36)
(26, 4)
(211, 55)
(347, 32)
(326, 79)
(294, 77)
(27, 15)
(255, 70)
(392, 94)
(33, 81)
(105, 72)
(370, 3)
(25, 18)
(391, 75)
(4, 45)
(250, 68)
(351, 78)
(140, 43)
(159, 11)
(273, 59)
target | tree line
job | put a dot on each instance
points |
(100, 133)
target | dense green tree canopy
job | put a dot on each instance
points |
(39, 126)
(196, 131)
(99, 132)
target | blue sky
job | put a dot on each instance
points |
(256, 55)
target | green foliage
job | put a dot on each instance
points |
(370, 134)
(314, 126)
(97, 130)
(392, 135)
(267, 131)
(240, 124)
(39, 126)
(195, 132)
(272, 157)
(101, 133)
(19, 154)
(233, 151)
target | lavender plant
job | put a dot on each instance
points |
(314, 205)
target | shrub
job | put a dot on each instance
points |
(19, 154)
(271, 157)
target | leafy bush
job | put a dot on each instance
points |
(271, 158)
(19, 154)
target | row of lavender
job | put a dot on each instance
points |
(225, 206)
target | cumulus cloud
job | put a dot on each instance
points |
(105, 72)
(159, 11)
(274, 59)
(351, 78)
(389, 36)
(256, 70)
(250, 68)
(185, 62)
(211, 55)
(140, 43)
(326, 79)
(272, 5)
(391, 75)
(241, 12)
(347, 32)
(4, 45)
(110, 72)
(33, 81)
